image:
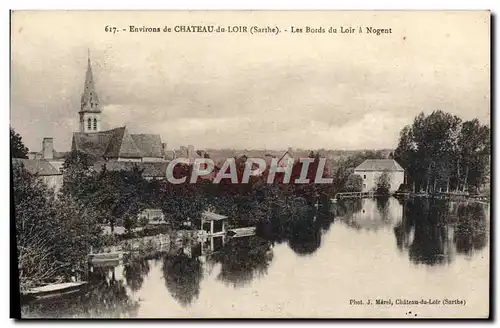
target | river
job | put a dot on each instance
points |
(369, 249)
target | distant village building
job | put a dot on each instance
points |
(115, 144)
(371, 169)
(48, 153)
(50, 175)
(154, 216)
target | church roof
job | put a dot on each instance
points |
(149, 144)
(379, 165)
(90, 99)
(117, 143)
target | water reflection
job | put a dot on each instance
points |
(471, 229)
(431, 231)
(182, 275)
(301, 229)
(370, 214)
(243, 259)
(105, 296)
(135, 272)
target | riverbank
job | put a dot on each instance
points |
(445, 195)
(156, 242)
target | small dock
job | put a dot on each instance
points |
(113, 254)
(355, 194)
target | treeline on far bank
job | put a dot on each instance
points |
(441, 152)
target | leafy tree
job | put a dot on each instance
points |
(53, 236)
(77, 174)
(440, 152)
(36, 229)
(383, 185)
(17, 147)
(354, 183)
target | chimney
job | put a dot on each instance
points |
(164, 149)
(48, 148)
(290, 151)
(190, 152)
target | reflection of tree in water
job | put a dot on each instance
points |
(346, 208)
(425, 230)
(182, 276)
(301, 229)
(428, 220)
(305, 236)
(135, 271)
(383, 207)
(104, 297)
(470, 228)
(243, 259)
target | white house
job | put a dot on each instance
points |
(371, 169)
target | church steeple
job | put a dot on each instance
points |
(90, 110)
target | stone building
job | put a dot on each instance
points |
(371, 169)
(115, 144)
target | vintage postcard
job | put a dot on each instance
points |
(251, 164)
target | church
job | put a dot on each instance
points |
(115, 145)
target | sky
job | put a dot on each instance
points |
(238, 90)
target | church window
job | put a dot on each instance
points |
(95, 123)
(89, 123)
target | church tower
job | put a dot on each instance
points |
(90, 110)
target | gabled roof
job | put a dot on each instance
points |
(379, 165)
(56, 155)
(288, 152)
(122, 145)
(149, 170)
(149, 144)
(117, 143)
(41, 167)
(211, 216)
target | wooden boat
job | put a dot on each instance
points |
(241, 232)
(53, 290)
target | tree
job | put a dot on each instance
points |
(53, 236)
(77, 174)
(17, 147)
(354, 183)
(383, 185)
(36, 229)
(440, 152)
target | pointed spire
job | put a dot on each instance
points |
(90, 99)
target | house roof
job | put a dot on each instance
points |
(150, 170)
(379, 165)
(41, 167)
(118, 143)
(211, 216)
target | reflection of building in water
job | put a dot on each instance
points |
(211, 245)
(377, 213)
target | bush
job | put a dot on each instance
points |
(354, 183)
(404, 188)
(383, 186)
